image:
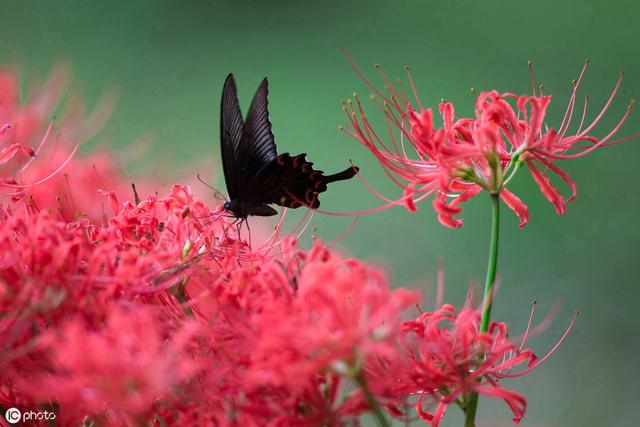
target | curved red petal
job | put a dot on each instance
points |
(516, 205)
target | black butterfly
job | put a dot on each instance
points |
(255, 174)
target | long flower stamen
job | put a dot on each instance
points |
(605, 108)
(566, 120)
(413, 86)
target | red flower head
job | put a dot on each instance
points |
(451, 359)
(118, 370)
(327, 319)
(28, 127)
(337, 327)
(464, 156)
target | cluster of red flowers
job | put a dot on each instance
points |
(155, 311)
(457, 161)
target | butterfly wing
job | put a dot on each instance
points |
(257, 146)
(231, 132)
(292, 182)
(256, 176)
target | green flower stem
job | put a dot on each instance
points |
(371, 400)
(515, 158)
(515, 171)
(487, 300)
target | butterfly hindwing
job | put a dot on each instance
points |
(231, 131)
(289, 181)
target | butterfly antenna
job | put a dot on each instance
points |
(217, 192)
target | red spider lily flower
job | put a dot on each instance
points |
(28, 127)
(294, 371)
(52, 176)
(118, 370)
(540, 148)
(73, 192)
(336, 328)
(50, 270)
(451, 359)
(464, 156)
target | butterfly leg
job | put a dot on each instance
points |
(235, 224)
(238, 224)
(249, 232)
(244, 221)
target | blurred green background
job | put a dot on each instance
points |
(169, 59)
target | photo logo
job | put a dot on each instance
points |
(13, 415)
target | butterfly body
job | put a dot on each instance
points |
(255, 174)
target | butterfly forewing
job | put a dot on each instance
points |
(231, 129)
(258, 146)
